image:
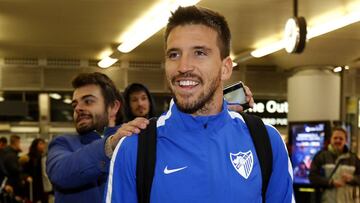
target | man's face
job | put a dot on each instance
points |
(194, 68)
(17, 145)
(139, 104)
(89, 109)
(338, 140)
(2, 145)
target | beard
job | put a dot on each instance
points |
(203, 99)
(98, 122)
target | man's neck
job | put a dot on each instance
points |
(210, 108)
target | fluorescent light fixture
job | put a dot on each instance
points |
(62, 130)
(268, 49)
(150, 23)
(337, 69)
(313, 31)
(334, 24)
(107, 62)
(24, 129)
(67, 99)
(2, 98)
(56, 96)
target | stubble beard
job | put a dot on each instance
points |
(201, 104)
(98, 123)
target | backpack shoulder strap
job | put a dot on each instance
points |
(146, 158)
(263, 148)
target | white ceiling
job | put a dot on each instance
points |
(83, 29)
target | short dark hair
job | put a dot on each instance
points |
(14, 138)
(193, 15)
(3, 140)
(107, 86)
(341, 129)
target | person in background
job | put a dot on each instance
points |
(10, 158)
(138, 102)
(3, 173)
(78, 165)
(336, 170)
(3, 142)
(5, 188)
(204, 151)
(33, 168)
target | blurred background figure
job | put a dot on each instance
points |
(34, 168)
(11, 164)
(138, 102)
(336, 170)
(3, 142)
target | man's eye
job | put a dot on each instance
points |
(88, 101)
(200, 53)
(172, 55)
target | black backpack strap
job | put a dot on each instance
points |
(146, 158)
(263, 148)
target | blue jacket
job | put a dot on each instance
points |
(202, 159)
(78, 167)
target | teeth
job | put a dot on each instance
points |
(187, 83)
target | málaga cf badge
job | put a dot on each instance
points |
(243, 163)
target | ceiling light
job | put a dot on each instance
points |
(268, 49)
(313, 31)
(2, 99)
(24, 129)
(67, 99)
(107, 62)
(337, 69)
(56, 96)
(150, 23)
(347, 67)
(334, 24)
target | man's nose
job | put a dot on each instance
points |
(185, 64)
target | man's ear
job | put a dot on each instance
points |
(113, 110)
(226, 68)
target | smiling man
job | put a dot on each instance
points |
(78, 165)
(204, 151)
(336, 170)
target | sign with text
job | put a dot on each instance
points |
(273, 112)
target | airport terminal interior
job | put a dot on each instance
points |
(305, 80)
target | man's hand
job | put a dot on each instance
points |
(338, 183)
(347, 177)
(126, 129)
(8, 189)
(249, 99)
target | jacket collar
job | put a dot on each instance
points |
(190, 122)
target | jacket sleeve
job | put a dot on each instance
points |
(12, 165)
(69, 169)
(280, 188)
(356, 178)
(316, 175)
(121, 184)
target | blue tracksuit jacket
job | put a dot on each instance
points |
(202, 159)
(78, 167)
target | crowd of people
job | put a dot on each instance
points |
(23, 177)
(204, 146)
(79, 166)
